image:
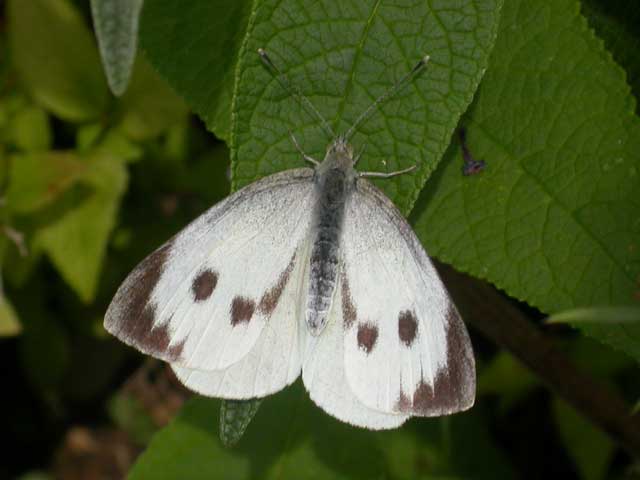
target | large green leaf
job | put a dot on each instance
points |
(292, 438)
(56, 56)
(194, 45)
(116, 25)
(553, 220)
(345, 54)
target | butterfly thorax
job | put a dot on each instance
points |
(334, 181)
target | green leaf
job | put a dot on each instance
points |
(35, 475)
(45, 348)
(149, 107)
(130, 416)
(55, 54)
(590, 448)
(38, 179)
(353, 52)
(597, 315)
(116, 144)
(618, 327)
(616, 22)
(195, 45)
(292, 438)
(116, 25)
(553, 220)
(76, 242)
(9, 323)
(235, 416)
(30, 130)
(507, 378)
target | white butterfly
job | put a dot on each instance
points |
(312, 271)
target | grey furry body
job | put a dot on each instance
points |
(334, 180)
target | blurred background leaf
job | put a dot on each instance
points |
(9, 322)
(55, 54)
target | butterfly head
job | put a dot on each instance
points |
(340, 147)
(339, 154)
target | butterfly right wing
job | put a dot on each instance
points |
(406, 348)
(325, 378)
(201, 300)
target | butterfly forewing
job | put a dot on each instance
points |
(406, 349)
(201, 301)
(275, 359)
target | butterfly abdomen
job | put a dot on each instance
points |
(325, 252)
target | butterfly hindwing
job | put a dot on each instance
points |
(325, 378)
(201, 300)
(406, 348)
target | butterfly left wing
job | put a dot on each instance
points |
(202, 300)
(275, 359)
(406, 348)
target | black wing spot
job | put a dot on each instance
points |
(204, 285)
(242, 309)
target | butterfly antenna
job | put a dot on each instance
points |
(285, 83)
(399, 85)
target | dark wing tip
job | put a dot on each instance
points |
(132, 317)
(454, 388)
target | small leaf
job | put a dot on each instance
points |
(116, 26)
(615, 315)
(38, 179)
(9, 324)
(30, 130)
(130, 416)
(506, 378)
(618, 327)
(35, 475)
(45, 349)
(76, 242)
(195, 46)
(55, 54)
(117, 145)
(149, 107)
(235, 416)
(590, 449)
